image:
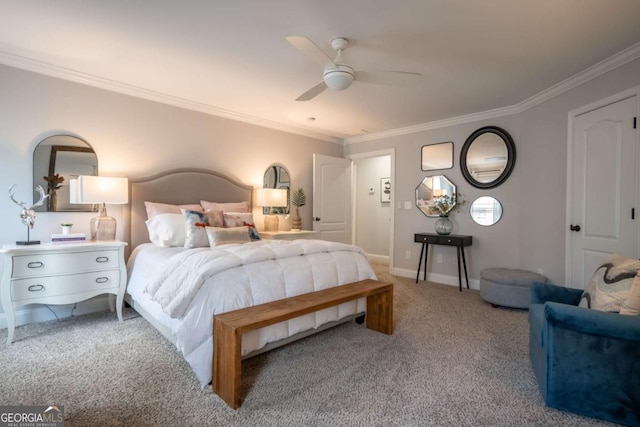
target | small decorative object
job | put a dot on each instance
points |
(54, 182)
(444, 205)
(298, 199)
(28, 215)
(443, 226)
(385, 190)
(66, 228)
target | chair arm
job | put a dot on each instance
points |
(543, 292)
(593, 322)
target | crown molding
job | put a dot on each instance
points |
(51, 70)
(626, 55)
(617, 60)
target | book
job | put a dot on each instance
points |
(68, 238)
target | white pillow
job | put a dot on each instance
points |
(223, 236)
(167, 229)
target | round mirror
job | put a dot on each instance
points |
(486, 210)
(56, 160)
(487, 157)
(433, 193)
(276, 176)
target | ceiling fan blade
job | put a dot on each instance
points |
(309, 48)
(392, 78)
(313, 92)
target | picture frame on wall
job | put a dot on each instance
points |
(385, 190)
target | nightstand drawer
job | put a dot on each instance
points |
(48, 264)
(23, 289)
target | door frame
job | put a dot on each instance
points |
(391, 152)
(573, 114)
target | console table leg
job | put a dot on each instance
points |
(420, 263)
(426, 254)
(464, 263)
(459, 275)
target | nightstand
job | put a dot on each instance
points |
(63, 273)
(287, 235)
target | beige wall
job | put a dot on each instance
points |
(132, 137)
(531, 234)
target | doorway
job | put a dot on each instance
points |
(373, 191)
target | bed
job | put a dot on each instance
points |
(179, 290)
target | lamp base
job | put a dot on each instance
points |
(103, 227)
(271, 223)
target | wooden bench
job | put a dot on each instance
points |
(228, 327)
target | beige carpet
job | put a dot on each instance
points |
(453, 360)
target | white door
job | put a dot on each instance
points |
(603, 188)
(332, 198)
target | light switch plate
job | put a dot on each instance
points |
(407, 205)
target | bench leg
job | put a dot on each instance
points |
(227, 364)
(380, 312)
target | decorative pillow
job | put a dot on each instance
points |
(224, 236)
(611, 283)
(631, 305)
(226, 207)
(154, 208)
(240, 219)
(195, 223)
(167, 229)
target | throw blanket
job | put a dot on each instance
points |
(176, 283)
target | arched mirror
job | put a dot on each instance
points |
(277, 176)
(434, 189)
(56, 160)
(488, 157)
(486, 210)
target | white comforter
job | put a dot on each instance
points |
(197, 284)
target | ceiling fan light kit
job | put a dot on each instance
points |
(339, 76)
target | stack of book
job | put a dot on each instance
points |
(68, 238)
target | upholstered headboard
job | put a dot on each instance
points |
(178, 187)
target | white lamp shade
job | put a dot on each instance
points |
(101, 189)
(271, 197)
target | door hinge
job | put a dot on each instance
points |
(633, 213)
(635, 122)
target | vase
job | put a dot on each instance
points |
(443, 226)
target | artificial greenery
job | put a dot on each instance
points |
(298, 198)
(446, 205)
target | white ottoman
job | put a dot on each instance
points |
(508, 287)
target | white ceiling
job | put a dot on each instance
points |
(231, 58)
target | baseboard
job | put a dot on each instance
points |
(437, 278)
(379, 259)
(40, 313)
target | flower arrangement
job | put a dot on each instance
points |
(54, 182)
(446, 205)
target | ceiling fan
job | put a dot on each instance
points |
(338, 75)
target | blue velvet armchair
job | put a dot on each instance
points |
(585, 361)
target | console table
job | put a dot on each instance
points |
(459, 241)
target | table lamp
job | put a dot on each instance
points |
(271, 198)
(101, 189)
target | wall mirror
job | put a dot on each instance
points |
(430, 189)
(487, 157)
(437, 156)
(277, 176)
(66, 156)
(486, 210)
